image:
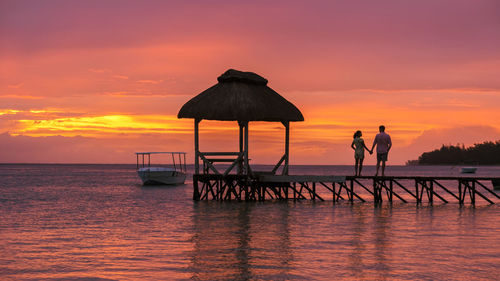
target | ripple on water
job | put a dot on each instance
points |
(76, 227)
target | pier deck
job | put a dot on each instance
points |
(418, 189)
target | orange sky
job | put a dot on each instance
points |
(95, 81)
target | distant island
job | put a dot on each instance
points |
(487, 153)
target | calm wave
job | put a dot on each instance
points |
(96, 222)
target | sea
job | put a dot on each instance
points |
(97, 222)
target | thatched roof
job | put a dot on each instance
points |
(240, 96)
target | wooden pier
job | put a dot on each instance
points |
(245, 97)
(418, 189)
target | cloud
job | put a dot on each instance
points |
(16, 86)
(123, 77)
(149, 81)
(20, 97)
(95, 70)
(78, 149)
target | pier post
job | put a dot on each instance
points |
(334, 192)
(431, 187)
(196, 191)
(377, 191)
(460, 199)
(420, 193)
(351, 189)
(391, 191)
(473, 195)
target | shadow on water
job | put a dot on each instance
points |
(235, 241)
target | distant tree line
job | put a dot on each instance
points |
(487, 153)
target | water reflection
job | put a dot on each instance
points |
(359, 232)
(382, 226)
(235, 241)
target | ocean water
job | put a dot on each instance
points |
(96, 222)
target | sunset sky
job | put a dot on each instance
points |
(96, 81)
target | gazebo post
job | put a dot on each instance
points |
(247, 167)
(196, 146)
(240, 125)
(287, 146)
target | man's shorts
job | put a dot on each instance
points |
(381, 157)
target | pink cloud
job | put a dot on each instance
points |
(434, 138)
(59, 149)
(123, 77)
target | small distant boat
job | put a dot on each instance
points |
(468, 170)
(172, 174)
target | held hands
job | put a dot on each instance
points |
(371, 152)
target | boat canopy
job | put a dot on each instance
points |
(178, 164)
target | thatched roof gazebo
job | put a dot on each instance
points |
(242, 97)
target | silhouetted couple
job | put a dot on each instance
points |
(383, 143)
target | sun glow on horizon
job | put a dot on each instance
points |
(99, 126)
(94, 81)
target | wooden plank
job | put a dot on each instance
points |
(235, 162)
(489, 190)
(222, 160)
(384, 185)
(357, 196)
(209, 165)
(445, 189)
(404, 188)
(279, 164)
(331, 190)
(219, 153)
(430, 189)
(297, 192)
(311, 192)
(473, 192)
(360, 184)
(484, 197)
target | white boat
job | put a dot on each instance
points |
(172, 174)
(468, 170)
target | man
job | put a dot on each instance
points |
(384, 144)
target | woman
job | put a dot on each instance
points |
(358, 144)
